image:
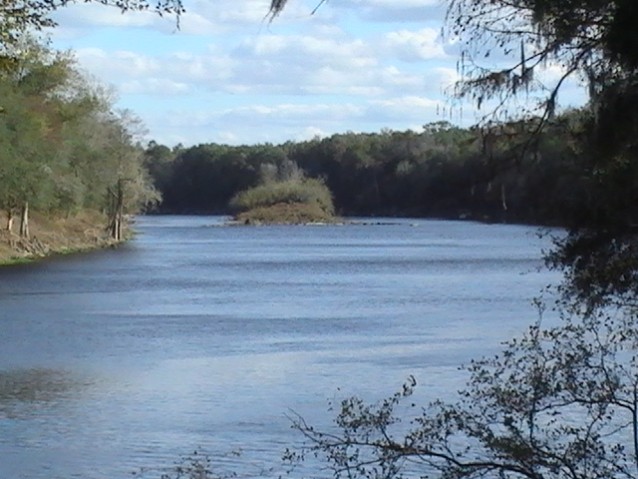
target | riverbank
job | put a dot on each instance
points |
(51, 236)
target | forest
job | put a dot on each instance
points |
(501, 172)
(65, 148)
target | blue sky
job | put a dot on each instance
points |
(229, 76)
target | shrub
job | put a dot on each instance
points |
(308, 191)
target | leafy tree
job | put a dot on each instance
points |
(25, 173)
(62, 147)
(158, 161)
(205, 177)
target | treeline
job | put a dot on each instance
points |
(63, 147)
(507, 172)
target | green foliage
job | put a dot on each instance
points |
(204, 178)
(442, 171)
(24, 172)
(309, 191)
(61, 145)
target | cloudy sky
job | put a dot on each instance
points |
(227, 75)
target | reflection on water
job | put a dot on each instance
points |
(193, 337)
(25, 393)
(35, 385)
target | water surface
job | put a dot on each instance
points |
(198, 336)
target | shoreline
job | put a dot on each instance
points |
(52, 236)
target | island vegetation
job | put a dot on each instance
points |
(285, 201)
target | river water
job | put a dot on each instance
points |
(197, 336)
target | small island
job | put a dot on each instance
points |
(286, 196)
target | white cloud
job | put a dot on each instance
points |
(407, 108)
(326, 62)
(111, 66)
(154, 86)
(281, 121)
(441, 80)
(310, 133)
(254, 124)
(293, 113)
(129, 70)
(78, 18)
(228, 75)
(411, 45)
(202, 17)
(292, 49)
(192, 23)
(395, 11)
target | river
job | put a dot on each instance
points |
(197, 336)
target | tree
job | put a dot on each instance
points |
(593, 40)
(63, 148)
(158, 161)
(557, 403)
(25, 173)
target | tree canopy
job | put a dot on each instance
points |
(442, 171)
(593, 39)
(62, 144)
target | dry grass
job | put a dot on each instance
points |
(308, 191)
(53, 235)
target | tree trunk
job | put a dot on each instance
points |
(24, 220)
(503, 197)
(10, 220)
(117, 212)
